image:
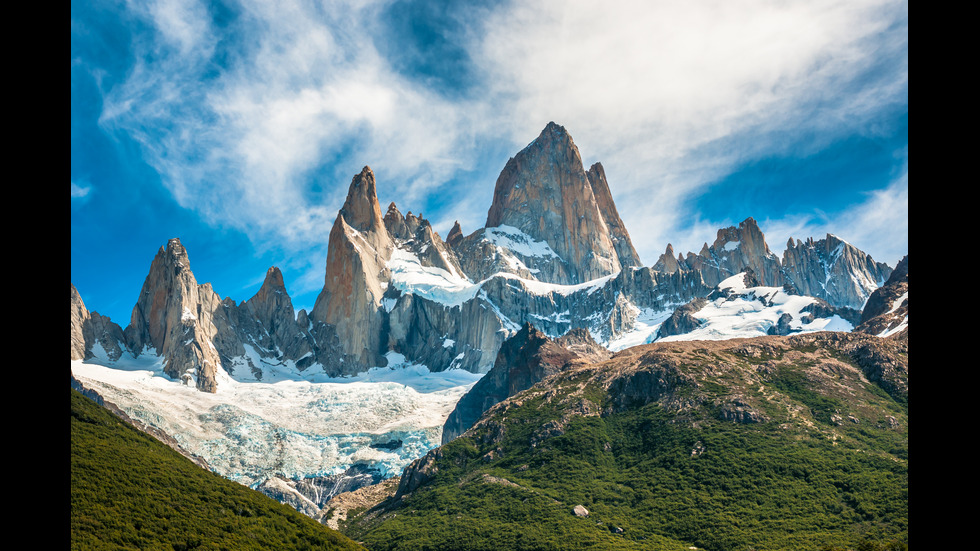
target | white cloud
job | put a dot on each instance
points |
(80, 192)
(672, 95)
(260, 126)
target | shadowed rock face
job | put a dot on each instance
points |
(888, 306)
(617, 230)
(834, 270)
(89, 329)
(273, 309)
(545, 192)
(523, 360)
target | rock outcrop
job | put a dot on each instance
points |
(350, 303)
(887, 311)
(683, 319)
(455, 236)
(617, 230)
(735, 250)
(545, 193)
(173, 316)
(834, 270)
(273, 309)
(93, 334)
(523, 360)
(830, 269)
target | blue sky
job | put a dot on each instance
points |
(238, 126)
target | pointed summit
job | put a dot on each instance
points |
(455, 236)
(273, 279)
(617, 230)
(667, 261)
(395, 223)
(545, 193)
(172, 312)
(271, 300)
(357, 275)
(361, 210)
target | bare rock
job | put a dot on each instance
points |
(455, 236)
(580, 341)
(782, 326)
(683, 319)
(350, 303)
(92, 332)
(545, 193)
(523, 360)
(173, 316)
(617, 230)
(833, 270)
(887, 310)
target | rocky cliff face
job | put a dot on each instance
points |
(173, 316)
(834, 270)
(545, 193)
(617, 230)
(554, 253)
(523, 360)
(830, 269)
(357, 274)
(735, 250)
(887, 311)
(273, 309)
(93, 334)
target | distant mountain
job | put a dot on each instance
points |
(129, 491)
(767, 443)
(829, 269)
(554, 253)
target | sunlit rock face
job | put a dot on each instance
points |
(545, 193)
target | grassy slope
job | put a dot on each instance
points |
(827, 467)
(129, 491)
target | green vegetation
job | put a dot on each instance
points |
(671, 477)
(129, 491)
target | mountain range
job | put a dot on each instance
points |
(549, 294)
(553, 253)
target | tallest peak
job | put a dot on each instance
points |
(555, 131)
(555, 127)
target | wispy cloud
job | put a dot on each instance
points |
(671, 96)
(257, 117)
(79, 192)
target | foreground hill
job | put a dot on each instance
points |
(129, 491)
(767, 443)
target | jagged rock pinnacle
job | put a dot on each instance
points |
(545, 192)
(455, 236)
(361, 210)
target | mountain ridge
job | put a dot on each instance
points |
(770, 442)
(392, 284)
